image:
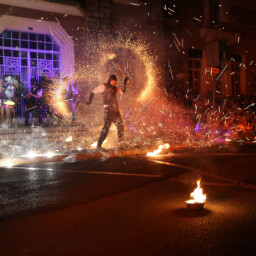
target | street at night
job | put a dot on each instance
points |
(131, 206)
(127, 127)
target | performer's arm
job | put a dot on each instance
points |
(97, 90)
(38, 95)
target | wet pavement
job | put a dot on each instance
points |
(43, 187)
(130, 205)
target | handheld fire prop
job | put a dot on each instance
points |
(159, 150)
(198, 200)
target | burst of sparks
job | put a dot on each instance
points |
(69, 139)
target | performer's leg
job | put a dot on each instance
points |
(40, 114)
(105, 129)
(120, 127)
(10, 116)
(1, 115)
(26, 117)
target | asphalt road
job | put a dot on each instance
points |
(129, 206)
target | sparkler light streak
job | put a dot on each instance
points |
(197, 19)
(144, 105)
(176, 38)
(221, 72)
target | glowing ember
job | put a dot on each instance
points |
(49, 154)
(31, 154)
(159, 150)
(197, 195)
(94, 145)
(69, 139)
(109, 56)
(8, 163)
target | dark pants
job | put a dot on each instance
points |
(36, 111)
(111, 115)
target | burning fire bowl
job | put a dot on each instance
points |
(194, 206)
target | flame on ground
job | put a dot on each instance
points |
(159, 150)
(197, 195)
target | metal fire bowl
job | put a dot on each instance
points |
(195, 206)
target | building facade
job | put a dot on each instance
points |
(209, 45)
(38, 40)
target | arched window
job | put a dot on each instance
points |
(28, 55)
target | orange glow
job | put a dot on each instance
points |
(149, 86)
(57, 98)
(159, 150)
(197, 195)
(110, 56)
(94, 145)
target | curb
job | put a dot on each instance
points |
(78, 156)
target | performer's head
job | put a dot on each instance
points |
(34, 83)
(112, 80)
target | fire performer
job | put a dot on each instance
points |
(33, 102)
(70, 95)
(10, 84)
(111, 110)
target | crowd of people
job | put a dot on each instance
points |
(34, 101)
